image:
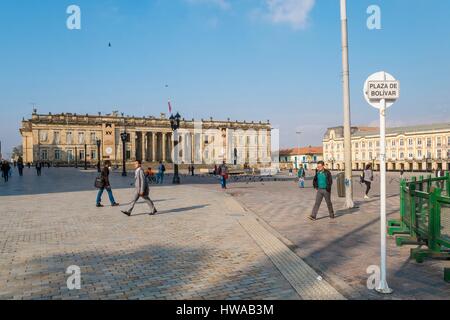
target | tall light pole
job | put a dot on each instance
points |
(347, 124)
(175, 125)
(299, 133)
(99, 143)
(124, 137)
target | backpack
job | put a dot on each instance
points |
(99, 182)
(163, 168)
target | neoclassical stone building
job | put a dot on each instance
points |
(414, 148)
(67, 139)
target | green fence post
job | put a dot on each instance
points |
(434, 221)
(412, 210)
(399, 226)
(421, 183)
(448, 183)
(429, 182)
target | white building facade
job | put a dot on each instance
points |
(414, 148)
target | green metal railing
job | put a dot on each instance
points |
(425, 217)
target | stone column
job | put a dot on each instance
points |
(192, 148)
(258, 150)
(133, 145)
(143, 146)
(154, 141)
(173, 156)
(164, 140)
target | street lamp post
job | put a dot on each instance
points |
(85, 156)
(347, 125)
(99, 143)
(76, 157)
(299, 133)
(124, 136)
(175, 124)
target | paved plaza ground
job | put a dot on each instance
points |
(343, 248)
(251, 242)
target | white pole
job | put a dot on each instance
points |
(383, 286)
(347, 123)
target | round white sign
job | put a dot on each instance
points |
(109, 151)
(379, 86)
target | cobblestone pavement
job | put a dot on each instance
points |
(194, 248)
(343, 249)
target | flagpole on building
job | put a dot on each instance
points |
(347, 116)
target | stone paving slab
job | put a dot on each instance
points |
(194, 248)
(308, 284)
(343, 248)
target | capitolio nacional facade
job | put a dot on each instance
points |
(66, 139)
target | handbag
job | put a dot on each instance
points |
(99, 182)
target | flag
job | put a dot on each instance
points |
(170, 107)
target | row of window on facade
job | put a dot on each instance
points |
(420, 142)
(303, 159)
(58, 155)
(44, 137)
(70, 155)
(420, 155)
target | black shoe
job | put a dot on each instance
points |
(99, 205)
(126, 213)
(332, 216)
(154, 212)
(312, 218)
(115, 205)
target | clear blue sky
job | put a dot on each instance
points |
(242, 59)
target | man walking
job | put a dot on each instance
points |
(39, 168)
(5, 167)
(301, 177)
(322, 183)
(368, 179)
(105, 185)
(161, 171)
(20, 166)
(223, 173)
(141, 190)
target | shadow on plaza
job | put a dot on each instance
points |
(358, 248)
(59, 180)
(177, 210)
(151, 272)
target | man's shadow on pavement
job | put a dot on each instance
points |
(178, 210)
(140, 202)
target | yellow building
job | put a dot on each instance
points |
(414, 148)
(66, 139)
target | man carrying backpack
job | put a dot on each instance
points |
(161, 171)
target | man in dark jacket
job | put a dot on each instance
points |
(322, 183)
(107, 186)
(5, 170)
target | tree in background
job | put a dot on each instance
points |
(17, 152)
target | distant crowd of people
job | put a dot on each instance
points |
(6, 167)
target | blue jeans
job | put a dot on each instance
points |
(223, 182)
(160, 178)
(110, 194)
